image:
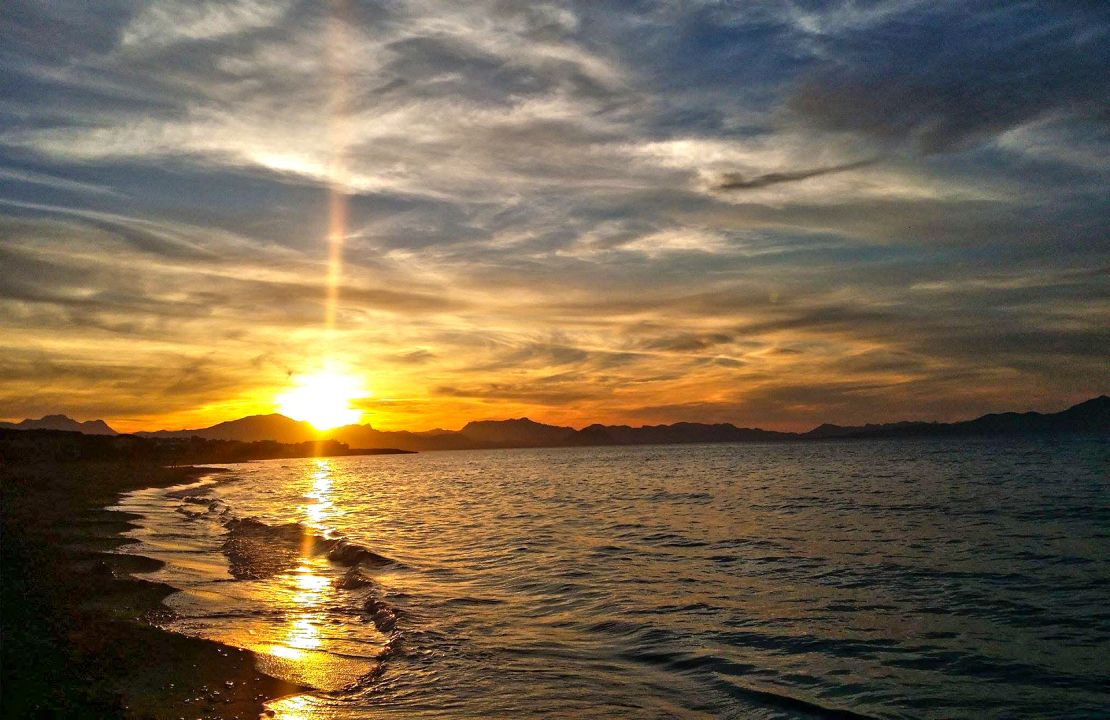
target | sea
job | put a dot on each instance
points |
(934, 578)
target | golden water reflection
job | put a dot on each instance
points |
(303, 630)
(302, 652)
(296, 707)
(318, 511)
(306, 595)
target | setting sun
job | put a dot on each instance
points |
(323, 399)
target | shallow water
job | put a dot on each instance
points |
(888, 579)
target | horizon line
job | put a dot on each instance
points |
(539, 422)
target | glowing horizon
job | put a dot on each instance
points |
(757, 214)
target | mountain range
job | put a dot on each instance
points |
(61, 422)
(1092, 416)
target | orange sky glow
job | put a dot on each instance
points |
(487, 211)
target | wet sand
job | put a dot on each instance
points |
(79, 638)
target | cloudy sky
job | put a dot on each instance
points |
(769, 213)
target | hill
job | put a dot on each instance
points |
(518, 432)
(62, 422)
(678, 433)
(249, 429)
(1091, 416)
(365, 436)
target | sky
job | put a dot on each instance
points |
(774, 214)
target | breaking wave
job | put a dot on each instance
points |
(259, 552)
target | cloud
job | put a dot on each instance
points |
(168, 23)
(688, 342)
(737, 181)
(565, 210)
(946, 78)
(415, 357)
(54, 182)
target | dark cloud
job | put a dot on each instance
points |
(942, 78)
(415, 357)
(539, 392)
(737, 181)
(688, 342)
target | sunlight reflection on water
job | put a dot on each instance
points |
(304, 628)
(296, 707)
(709, 581)
(321, 493)
(304, 646)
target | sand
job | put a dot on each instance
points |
(79, 634)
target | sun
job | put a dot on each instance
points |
(323, 399)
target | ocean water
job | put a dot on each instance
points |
(883, 579)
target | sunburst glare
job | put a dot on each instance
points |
(323, 399)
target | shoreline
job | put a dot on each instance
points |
(79, 632)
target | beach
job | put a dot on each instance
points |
(78, 638)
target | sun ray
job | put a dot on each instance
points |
(338, 176)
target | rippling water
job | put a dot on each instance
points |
(882, 579)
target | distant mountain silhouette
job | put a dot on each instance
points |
(62, 422)
(249, 429)
(681, 432)
(1092, 416)
(365, 436)
(830, 431)
(519, 432)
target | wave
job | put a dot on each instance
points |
(723, 672)
(790, 703)
(211, 507)
(343, 552)
(257, 550)
(382, 614)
